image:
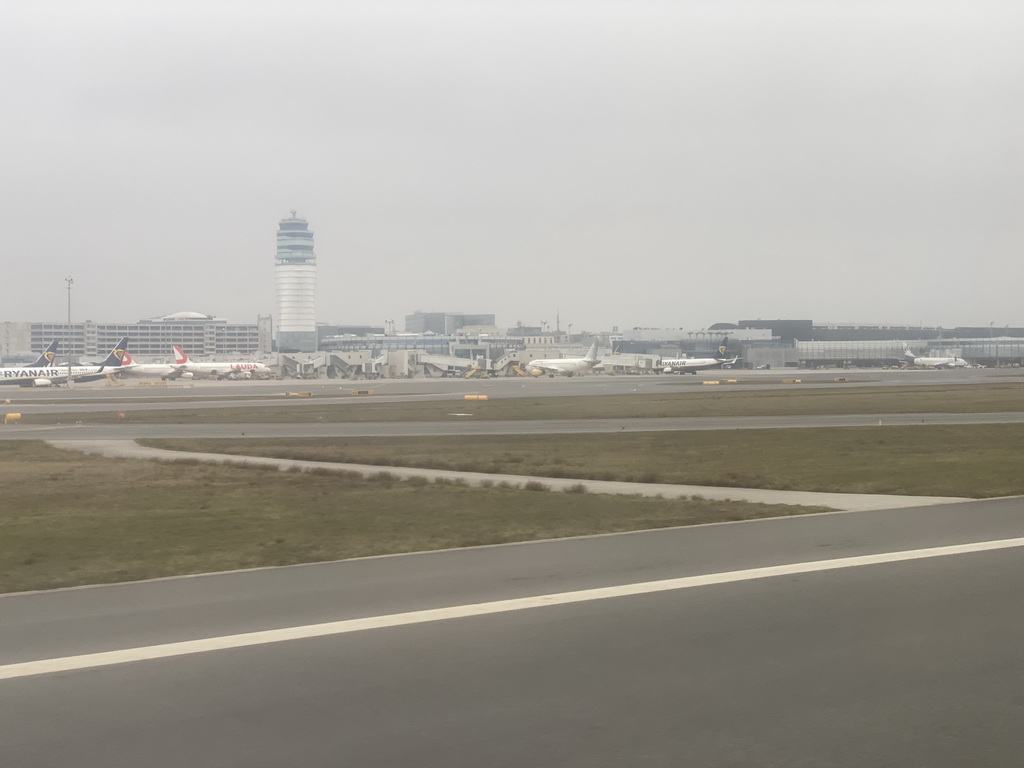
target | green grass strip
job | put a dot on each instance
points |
(977, 461)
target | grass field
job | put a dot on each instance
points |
(69, 518)
(970, 460)
(973, 398)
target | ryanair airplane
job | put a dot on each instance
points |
(54, 375)
(46, 358)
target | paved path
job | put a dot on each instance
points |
(840, 501)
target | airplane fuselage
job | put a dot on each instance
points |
(566, 367)
(222, 370)
(54, 374)
(938, 362)
(694, 364)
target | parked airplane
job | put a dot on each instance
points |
(45, 376)
(162, 370)
(45, 358)
(227, 370)
(933, 362)
(694, 364)
(567, 366)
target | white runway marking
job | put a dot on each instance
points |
(92, 660)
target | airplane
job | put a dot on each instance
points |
(933, 362)
(694, 364)
(44, 360)
(567, 366)
(55, 375)
(163, 370)
(227, 370)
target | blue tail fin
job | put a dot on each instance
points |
(116, 357)
(46, 359)
(722, 348)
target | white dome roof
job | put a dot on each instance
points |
(184, 316)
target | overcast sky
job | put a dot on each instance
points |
(624, 164)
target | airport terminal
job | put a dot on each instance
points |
(432, 344)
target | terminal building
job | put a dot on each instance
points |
(200, 335)
(803, 344)
(444, 322)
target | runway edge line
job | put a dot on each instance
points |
(265, 637)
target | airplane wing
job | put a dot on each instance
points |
(177, 373)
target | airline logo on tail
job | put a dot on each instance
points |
(47, 357)
(180, 358)
(116, 357)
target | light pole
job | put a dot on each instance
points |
(70, 281)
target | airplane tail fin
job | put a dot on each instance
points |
(116, 357)
(722, 348)
(46, 358)
(591, 356)
(180, 358)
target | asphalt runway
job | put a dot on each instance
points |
(199, 394)
(465, 426)
(909, 662)
(905, 662)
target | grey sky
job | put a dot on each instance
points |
(623, 163)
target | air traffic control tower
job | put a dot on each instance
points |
(295, 284)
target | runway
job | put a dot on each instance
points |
(882, 659)
(465, 426)
(97, 396)
(850, 667)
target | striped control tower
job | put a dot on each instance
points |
(295, 283)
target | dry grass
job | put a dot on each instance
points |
(70, 519)
(970, 460)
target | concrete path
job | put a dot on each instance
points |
(838, 501)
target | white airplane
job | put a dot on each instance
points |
(933, 362)
(227, 370)
(694, 364)
(55, 375)
(566, 366)
(162, 370)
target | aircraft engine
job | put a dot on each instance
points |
(187, 375)
(42, 382)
